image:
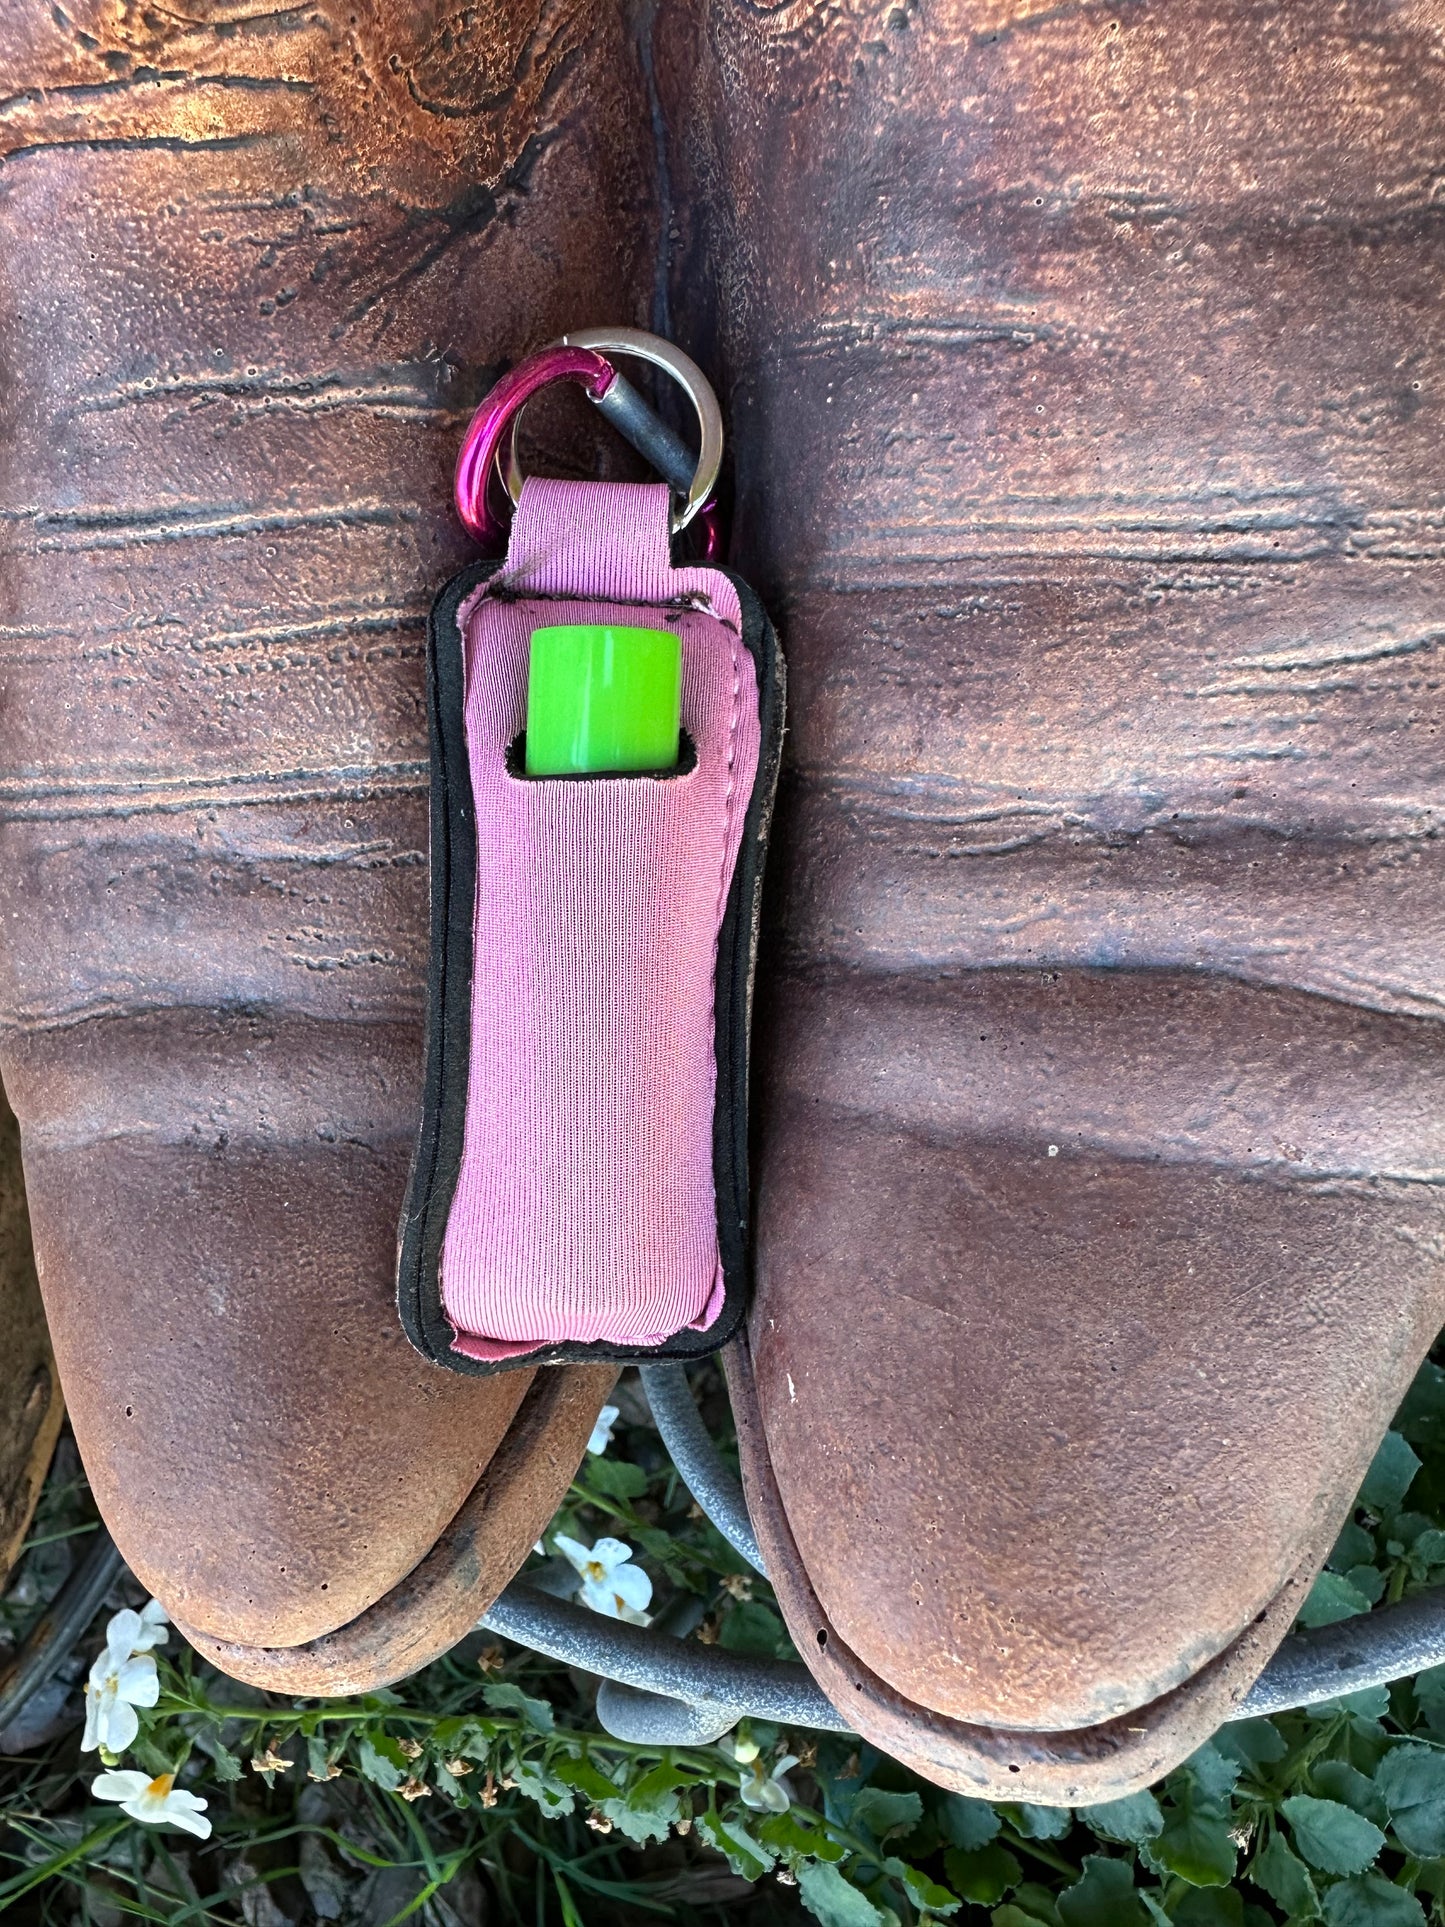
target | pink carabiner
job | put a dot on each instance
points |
(709, 547)
(477, 484)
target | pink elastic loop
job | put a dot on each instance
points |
(477, 487)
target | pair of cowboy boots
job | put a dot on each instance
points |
(1082, 370)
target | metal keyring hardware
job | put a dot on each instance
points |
(484, 482)
(481, 516)
(691, 479)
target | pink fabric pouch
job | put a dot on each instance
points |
(579, 1189)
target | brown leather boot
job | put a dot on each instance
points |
(257, 274)
(1085, 394)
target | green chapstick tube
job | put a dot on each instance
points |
(602, 699)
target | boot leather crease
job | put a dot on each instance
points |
(254, 281)
(1083, 370)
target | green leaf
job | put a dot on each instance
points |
(1332, 1837)
(927, 1895)
(1338, 1780)
(1370, 1702)
(570, 1915)
(1251, 1743)
(1134, 1818)
(1368, 1580)
(1213, 1773)
(651, 1808)
(971, 1823)
(382, 1760)
(640, 1824)
(1013, 1917)
(1391, 1472)
(1104, 1896)
(658, 1545)
(464, 1736)
(587, 1779)
(228, 1767)
(830, 1899)
(1365, 1741)
(1286, 1879)
(1430, 1695)
(1421, 1418)
(981, 1874)
(1332, 1598)
(1037, 1902)
(745, 1856)
(752, 1627)
(553, 1796)
(1354, 1547)
(1411, 1781)
(1407, 1528)
(1372, 1902)
(662, 1778)
(505, 1696)
(1041, 1823)
(922, 1891)
(1195, 1843)
(785, 1833)
(616, 1478)
(1429, 1548)
(1210, 1907)
(882, 1814)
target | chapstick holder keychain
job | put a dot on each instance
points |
(605, 733)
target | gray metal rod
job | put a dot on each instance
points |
(698, 1460)
(630, 415)
(702, 1676)
(654, 1719)
(52, 1638)
(1372, 1650)
(676, 1694)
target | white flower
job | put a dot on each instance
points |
(769, 1792)
(610, 1584)
(123, 1678)
(155, 1626)
(159, 1802)
(602, 1431)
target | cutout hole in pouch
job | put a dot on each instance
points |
(684, 766)
(580, 1184)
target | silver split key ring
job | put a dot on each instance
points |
(691, 478)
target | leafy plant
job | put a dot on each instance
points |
(486, 1784)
